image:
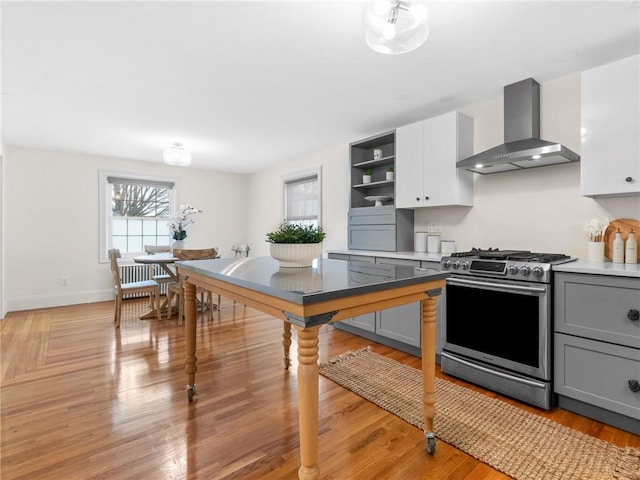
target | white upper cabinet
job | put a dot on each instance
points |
(426, 156)
(610, 156)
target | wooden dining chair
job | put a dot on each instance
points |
(177, 288)
(148, 286)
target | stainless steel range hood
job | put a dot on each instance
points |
(523, 147)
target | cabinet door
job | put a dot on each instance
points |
(426, 157)
(368, 321)
(400, 323)
(409, 166)
(611, 121)
(597, 373)
(447, 139)
(598, 307)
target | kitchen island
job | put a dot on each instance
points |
(329, 291)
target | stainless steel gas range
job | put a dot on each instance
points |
(497, 321)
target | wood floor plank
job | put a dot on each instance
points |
(80, 399)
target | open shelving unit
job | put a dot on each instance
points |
(361, 157)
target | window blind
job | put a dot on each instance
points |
(302, 198)
(138, 181)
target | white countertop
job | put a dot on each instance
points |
(422, 256)
(579, 266)
(600, 268)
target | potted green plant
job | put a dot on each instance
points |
(389, 173)
(295, 245)
(366, 178)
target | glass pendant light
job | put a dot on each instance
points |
(177, 155)
(395, 26)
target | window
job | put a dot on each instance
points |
(135, 213)
(302, 198)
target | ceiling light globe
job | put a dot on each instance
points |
(177, 155)
(399, 29)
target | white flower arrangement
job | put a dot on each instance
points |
(181, 220)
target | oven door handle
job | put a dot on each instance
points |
(491, 371)
(505, 286)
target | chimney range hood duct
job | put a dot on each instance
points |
(523, 147)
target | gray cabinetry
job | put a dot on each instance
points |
(398, 327)
(379, 227)
(597, 347)
(400, 323)
(363, 160)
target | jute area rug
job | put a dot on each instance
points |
(518, 443)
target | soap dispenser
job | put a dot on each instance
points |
(618, 248)
(631, 249)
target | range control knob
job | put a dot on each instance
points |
(537, 272)
(446, 263)
(465, 265)
(512, 269)
(456, 265)
(526, 271)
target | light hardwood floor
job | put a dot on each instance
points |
(81, 400)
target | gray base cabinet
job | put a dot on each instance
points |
(397, 327)
(380, 228)
(597, 347)
(402, 323)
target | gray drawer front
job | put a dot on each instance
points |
(598, 307)
(338, 256)
(385, 215)
(362, 258)
(373, 237)
(597, 373)
(398, 261)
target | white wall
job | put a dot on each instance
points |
(539, 209)
(51, 221)
(266, 203)
(3, 306)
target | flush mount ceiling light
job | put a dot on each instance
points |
(395, 26)
(177, 155)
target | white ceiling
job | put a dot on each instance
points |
(247, 85)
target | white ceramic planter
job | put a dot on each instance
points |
(389, 176)
(366, 179)
(296, 254)
(177, 244)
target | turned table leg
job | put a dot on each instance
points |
(286, 344)
(428, 307)
(308, 401)
(190, 334)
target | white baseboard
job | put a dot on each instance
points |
(58, 300)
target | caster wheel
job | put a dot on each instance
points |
(431, 445)
(191, 392)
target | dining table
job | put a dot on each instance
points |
(164, 261)
(307, 298)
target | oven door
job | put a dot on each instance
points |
(499, 322)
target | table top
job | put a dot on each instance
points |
(327, 279)
(155, 258)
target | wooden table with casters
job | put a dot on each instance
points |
(307, 298)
